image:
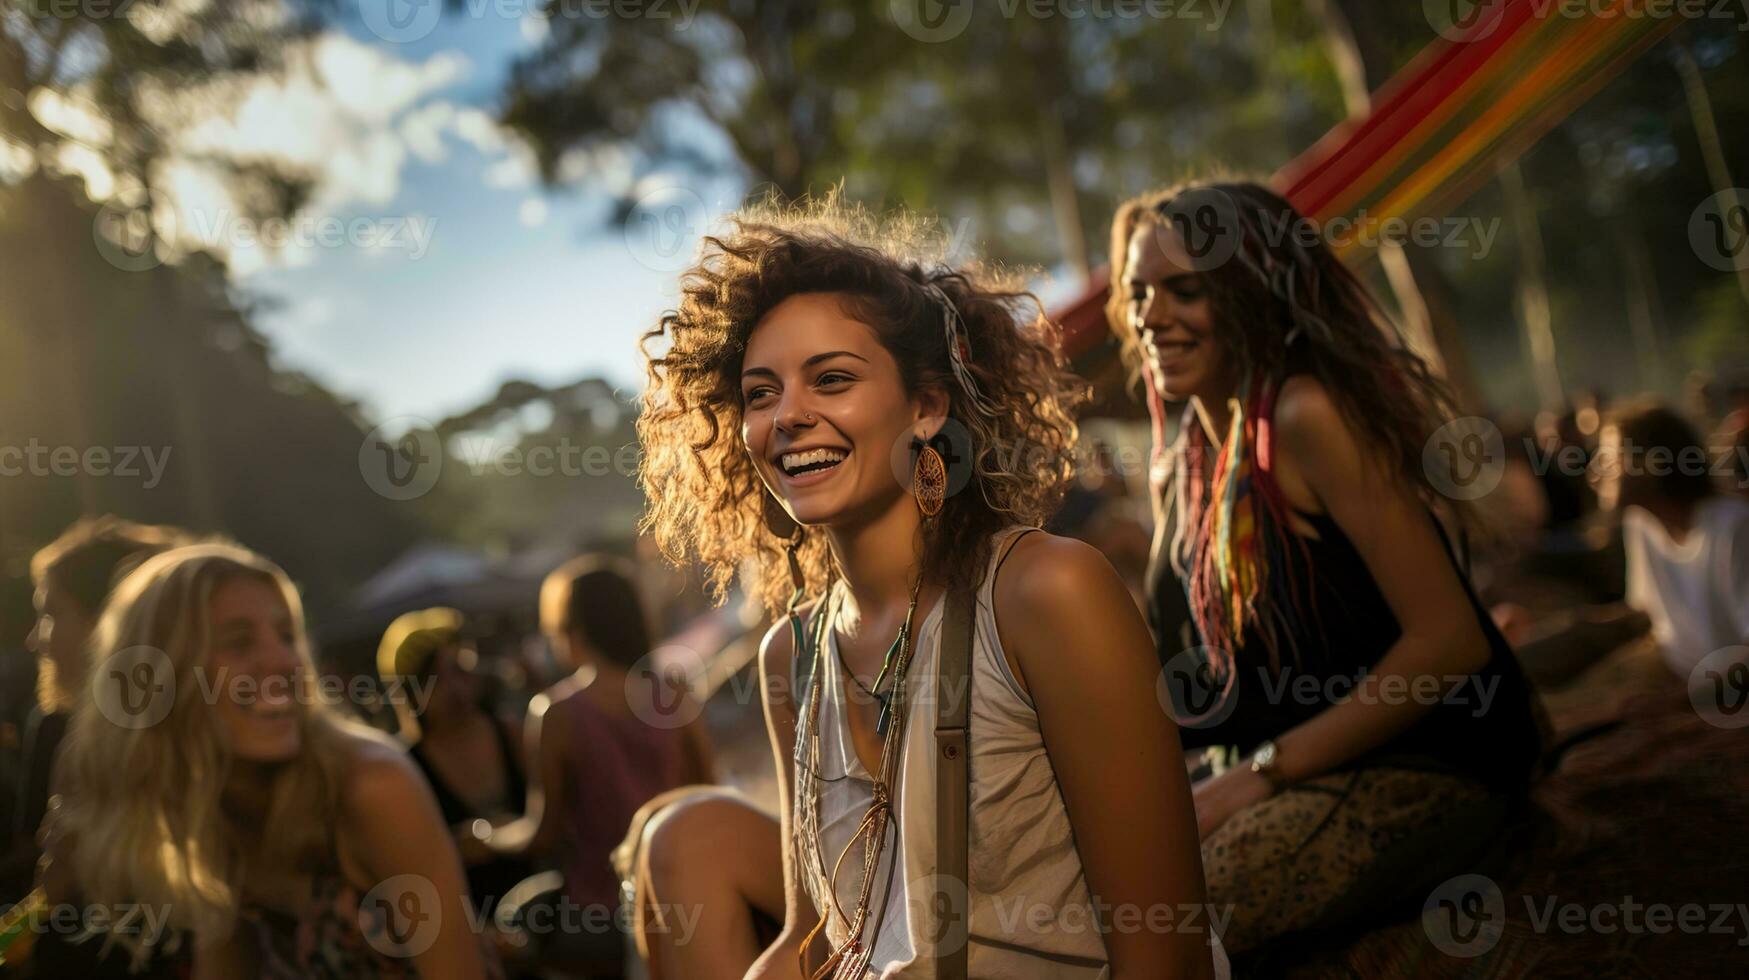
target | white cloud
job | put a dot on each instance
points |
(332, 116)
(424, 128)
(350, 116)
(534, 28)
(372, 84)
(515, 169)
(480, 130)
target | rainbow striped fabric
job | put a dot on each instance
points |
(1466, 106)
(1494, 82)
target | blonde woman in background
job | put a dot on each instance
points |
(213, 784)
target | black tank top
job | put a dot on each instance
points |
(1485, 728)
(490, 879)
(455, 809)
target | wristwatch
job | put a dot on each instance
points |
(1263, 764)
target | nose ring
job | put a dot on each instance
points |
(808, 415)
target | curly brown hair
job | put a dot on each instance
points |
(706, 502)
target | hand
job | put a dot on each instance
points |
(1218, 799)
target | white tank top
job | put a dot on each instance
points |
(1031, 913)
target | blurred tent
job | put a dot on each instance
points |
(1456, 116)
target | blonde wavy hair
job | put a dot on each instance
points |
(706, 500)
(142, 812)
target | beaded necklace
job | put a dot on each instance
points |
(851, 960)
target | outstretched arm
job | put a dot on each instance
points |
(537, 831)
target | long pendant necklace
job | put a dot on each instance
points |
(884, 699)
(851, 960)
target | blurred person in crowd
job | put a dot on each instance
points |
(471, 757)
(1519, 507)
(606, 739)
(1098, 509)
(17, 693)
(797, 426)
(72, 576)
(215, 786)
(1298, 518)
(1559, 436)
(1687, 544)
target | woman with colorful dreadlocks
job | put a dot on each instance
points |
(1311, 614)
(878, 436)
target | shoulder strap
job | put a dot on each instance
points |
(953, 686)
(953, 778)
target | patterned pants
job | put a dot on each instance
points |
(1345, 847)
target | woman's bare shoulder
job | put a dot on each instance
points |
(1048, 580)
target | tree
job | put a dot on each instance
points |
(112, 361)
(114, 407)
(1014, 123)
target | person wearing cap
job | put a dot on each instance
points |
(467, 754)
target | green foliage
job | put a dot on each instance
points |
(973, 127)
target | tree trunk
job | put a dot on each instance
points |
(1424, 295)
(1706, 130)
(1533, 290)
(1645, 312)
(1065, 202)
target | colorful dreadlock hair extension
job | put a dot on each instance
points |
(1233, 543)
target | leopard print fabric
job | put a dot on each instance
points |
(1344, 843)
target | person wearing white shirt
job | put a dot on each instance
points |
(1687, 544)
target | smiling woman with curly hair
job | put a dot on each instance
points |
(707, 500)
(855, 424)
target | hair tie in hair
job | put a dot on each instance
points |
(959, 350)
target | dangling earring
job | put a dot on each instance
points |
(929, 481)
(781, 525)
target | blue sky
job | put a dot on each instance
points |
(516, 282)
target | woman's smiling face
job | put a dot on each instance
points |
(823, 407)
(1170, 312)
